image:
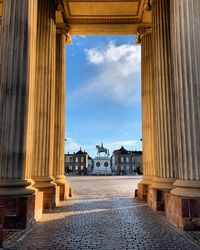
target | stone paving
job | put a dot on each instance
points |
(103, 214)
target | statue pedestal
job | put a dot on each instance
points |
(102, 166)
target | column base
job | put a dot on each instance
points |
(64, 187)
(187, 188)
(16, 187)
(156, 199)
(156, 193)
(64, 191)
(21, 202)
(39, 196)
(50, 191)
(143, 187)
(143, 191)
(21, 211)
(50, 197)
(163, 183)
(183, 212)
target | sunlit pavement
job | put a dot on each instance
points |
(103, 214)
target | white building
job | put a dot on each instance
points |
(102, 166)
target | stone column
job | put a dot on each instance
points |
(17, 78)
(147, 114)
(183, 205)
(44, 102)
(164, 101)
(59, 135)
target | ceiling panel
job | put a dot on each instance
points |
(128, 8)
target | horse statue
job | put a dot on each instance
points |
(101, 149)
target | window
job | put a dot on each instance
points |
(127, 168)
(76, 168)
(76, 159)
(122, 167)
(106, 164)
(122, 159)
(127, 159)
(82, 159)
(82, 167)
(70, 167)
(98, 164)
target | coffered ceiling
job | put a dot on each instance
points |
(107, 17)
(101, 17)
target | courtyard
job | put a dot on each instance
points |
(103, 214)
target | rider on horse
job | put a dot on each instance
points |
(101, 149)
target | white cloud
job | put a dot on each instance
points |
(113, 53)
(118, 76)
(71, 145)
(94, 56)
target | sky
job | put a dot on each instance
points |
(103, 100)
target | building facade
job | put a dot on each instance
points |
(77, 163)
(126, 162)
(122, 162)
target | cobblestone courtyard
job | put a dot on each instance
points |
(103, 214)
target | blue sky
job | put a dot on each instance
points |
(103, 93)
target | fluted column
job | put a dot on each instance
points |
(147, 112)
(164, 100)
(185, 15)
(44, 102)
(17, 72)
(147, 109)
(59, 135)
(164, 106)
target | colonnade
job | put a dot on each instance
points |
(174, 78)
(32, 108)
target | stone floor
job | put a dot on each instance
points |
(103, 215)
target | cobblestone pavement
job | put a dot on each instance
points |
(104, 215)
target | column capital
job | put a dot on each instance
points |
(142, 31)
(65, 30)
(62, 29)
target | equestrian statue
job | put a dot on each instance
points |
(101, 149)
